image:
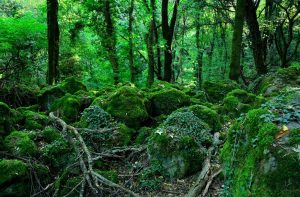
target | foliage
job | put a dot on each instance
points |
(96, 118)
(19, 143)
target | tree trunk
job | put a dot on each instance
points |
(110, 41)
(237, 40)
(257, 43)
(131, 54)
(151, 58)
(156, 40)
(198, 68)
(53, 41)
(168, 33)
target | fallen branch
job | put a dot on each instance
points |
(86, 164)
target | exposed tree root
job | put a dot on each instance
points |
(91, 178)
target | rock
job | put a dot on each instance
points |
(48, 95)
(178, 145)
(20, 143)
(31, 120)
(127, 104)
(72, 85)
(166, 101)
(216, 91)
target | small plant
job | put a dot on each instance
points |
(96, 118)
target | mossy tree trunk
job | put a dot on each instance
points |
(110, 41)
(198, 67)
(237, 40)
(53, 41)
(168, 33)
(257, 43)
(131, 53)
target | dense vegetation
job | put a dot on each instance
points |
(150, 98)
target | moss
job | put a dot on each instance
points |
(95, 117)
(167, 100)
(68, 107)
(125, 135)
(143, 135)
(68, 187)
(208, 115)
(32, 120)
(216, 91)
(159, 85)
(178, 156)
(13, 174)
(51, 134)
(48, 95)
(6, 119)
(19, 143)
(72, 85)
(128, 105)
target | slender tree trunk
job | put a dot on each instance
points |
(151, 58)
(235, 66)
(266, 33)
(198, 68)
(131, 54)
(257, 43)
(53, 41)
(156, 40)
(168, 33)
(110, 41)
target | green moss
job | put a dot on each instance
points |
(67, 187)
(32, 120)
(167, 100)
(216, 91)
(51, 134)
(48, 95)
(125, 135)
(68, 107)
(95, 117)
(19, 143)
(13, 174)
(72, 85)
(159, 85)
(143, 135)
(177, 156)
(208, 115)
(128, 105)
(6, 119)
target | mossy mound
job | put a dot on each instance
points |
(162, 85)
(166, 101)
(95, 117)
(72, 85)
(216, 91)
(85, 98)
(127, 104)
(273, 83)
(14, 178)
(31, 120)
(261, 153)
(68, 107)
(6, 119)
(240, 101)
(177, 156)
(206, 114)
(20, 143)
(19, 95)
(48, 95)
(179, 144)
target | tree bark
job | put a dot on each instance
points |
(168, 33)
(131, 53)
(198, 68)
(110, 41)
(53, 41)
(257, 43)
(237, 40)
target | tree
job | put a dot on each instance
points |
(235, 66)
(256, 39)
(168, 33)
(53, 41)
(130, 30)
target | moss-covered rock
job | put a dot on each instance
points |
(48, 95)
(85, 98)
(68, 107)
(216, 91)
(240, 101)
(13, 176)
(127, 104)
(95, 117)
(177, 156)
(143, 135)
(206, 114)
(178, 145)
(6, 119)
(261, 153)
(166, 101)
(31, 120)
(272, 83)
(72, 85)
(50, 134)
(19, 143)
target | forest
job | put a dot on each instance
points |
(150, 98)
